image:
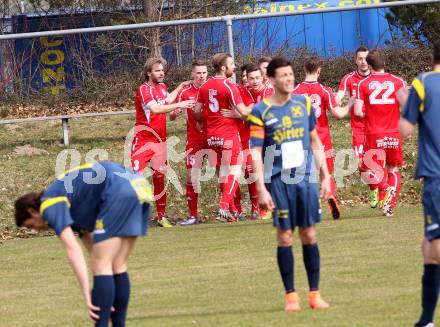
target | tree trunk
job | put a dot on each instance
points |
(153, 13)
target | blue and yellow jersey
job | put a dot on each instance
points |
(77, 197)
(423, 107)
(282, 130)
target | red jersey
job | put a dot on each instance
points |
(266, 91)
(192, 133)
(243, 127)
(382, 110)
(349, 84)
(323, 99)
(219, 93)
(147, 95)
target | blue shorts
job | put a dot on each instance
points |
(123, 212)
(431, 207)
(296, 205)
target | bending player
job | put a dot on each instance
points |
(149, 142)
(108, 216)
(285, 123)
(322, 100)
(383, 142)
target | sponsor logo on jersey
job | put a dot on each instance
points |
(290, 134)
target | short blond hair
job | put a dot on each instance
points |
(150, 63)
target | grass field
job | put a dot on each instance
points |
(211, 274)
(226, 275)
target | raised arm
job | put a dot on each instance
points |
(164, 108)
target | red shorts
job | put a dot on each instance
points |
(357, 144)
(381, 149)
(195, 152)
(227, 149)
(144, 151)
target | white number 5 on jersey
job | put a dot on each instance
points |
(377, 88)
(213, 103)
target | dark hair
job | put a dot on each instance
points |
(22, 204)
(198, 62)
(219, 60)
(244, 68)
(362, 48)
(252, 68)
(436, 54)
(311, 64)
(376, 60)
(275, 63)
(264, 59)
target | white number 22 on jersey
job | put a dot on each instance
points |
(377, 88)
(213, 103)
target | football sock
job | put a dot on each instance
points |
(312, 264)
(394, 180)
(430, 292)
(192, 198)
(122, 297)
(159, 193)
(103, 294)
(332, 186)
(253, 195)
(285, 264)
(237, 200)
(228, 190)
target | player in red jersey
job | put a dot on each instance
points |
(263, 62)
(149, 142)
(349, 85)
(196, 143)
(322, 100)
(222, 132)
(383, 142)
(258, 90)
(257, 87)
(244, 133)
(244, 80)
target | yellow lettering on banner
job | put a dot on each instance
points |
(50, 75)
(260, 10)
(52, 57)
(306, 6)
(321, 4)
(273, 8)
(287, 8)
(345, 3)
(55, 43)
(54, 89)
(247, 10)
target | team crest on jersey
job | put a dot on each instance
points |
(99, 227)
(297, 111)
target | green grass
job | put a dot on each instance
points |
(211, 274)
(226, 275)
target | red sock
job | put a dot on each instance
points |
(253, 194)
(237, 200)
(394, 181)
(159, 193)
(332, 186)
(192, 198)
(228, 190)
(375, 180)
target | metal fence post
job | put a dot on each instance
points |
(228, 20)
(65, 122)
